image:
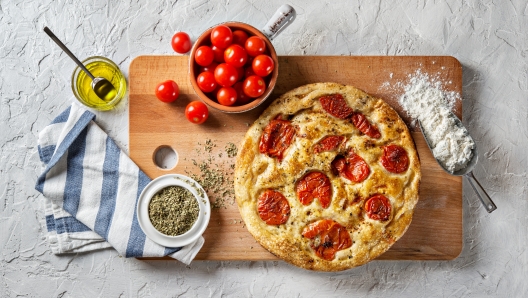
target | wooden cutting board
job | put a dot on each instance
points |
(436, 229)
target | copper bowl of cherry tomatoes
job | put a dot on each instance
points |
(233, 67)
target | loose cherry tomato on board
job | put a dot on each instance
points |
(226, 96)
(226, 75)
(167, 91)
(221, 36)
(206, 81)
(210, 68)
(254, 86)
(204, 56)
(255, 46)
(263, 65)
(240, 37)
(242, 98)
(196, 112)
(181, 42)
(235, 55)
(218, 54)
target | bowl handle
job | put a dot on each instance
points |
(280, 20)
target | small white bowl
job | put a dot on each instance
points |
(154, 187)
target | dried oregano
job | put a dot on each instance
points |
(215, 177)
(231, 150)
(173, 210)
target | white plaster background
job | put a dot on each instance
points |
(488, 37)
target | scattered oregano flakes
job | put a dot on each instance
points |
(216, 178)
(231, 150)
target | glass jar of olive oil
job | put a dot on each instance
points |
(99, 67)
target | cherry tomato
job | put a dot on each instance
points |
(273, 208)
(240, 37)
(314, 185)
(167, 91)
(249, 72)
(181, 42)
(242, 98)
(226, 96)
(395, 159)
(213, 93)
(221, 36)
(263, 65)
(254, 86)
(249, 62)
(336, 106)
(360, 122)
(204, 56)
(378, 207)
(210, 68)
(333, 238)
(218, 54)
(196, 112)
(235, 55)
(240, 73)
(255, 46)
(353, 167)
(206, 81)
(276, 138)
(226, 75)
(328, 143)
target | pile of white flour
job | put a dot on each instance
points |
(425, 101)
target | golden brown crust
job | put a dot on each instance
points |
(256, 172)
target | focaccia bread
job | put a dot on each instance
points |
(327, 177)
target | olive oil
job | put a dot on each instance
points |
(99, 68)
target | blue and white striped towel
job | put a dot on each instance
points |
(91, 189)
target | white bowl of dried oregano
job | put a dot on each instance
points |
(173, 210)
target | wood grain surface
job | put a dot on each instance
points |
(436, 230)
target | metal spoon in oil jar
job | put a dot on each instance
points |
(101, 86)
(468, 170)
